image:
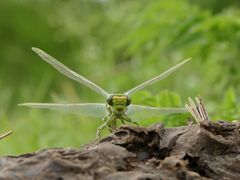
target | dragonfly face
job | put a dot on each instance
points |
(118, 105)
(119, 102)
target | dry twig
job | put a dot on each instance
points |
(197, 109)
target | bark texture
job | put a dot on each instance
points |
(207, 150)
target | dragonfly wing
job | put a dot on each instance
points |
(69, 73)
(5, 134)
(157, 78)
(86, 109)
(138, 112)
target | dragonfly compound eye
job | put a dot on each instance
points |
(110, 100)
(128, 100)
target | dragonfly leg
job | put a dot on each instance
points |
(122, 120)
(107, 119)
(136, 123)
(112, 125)
(110, 129)
(129, 120)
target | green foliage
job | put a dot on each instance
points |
(229, 109)
(162, 99)
(116, 44)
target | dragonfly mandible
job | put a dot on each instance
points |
(118, 105)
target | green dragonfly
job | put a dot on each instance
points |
(118, 105)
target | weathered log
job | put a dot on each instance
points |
(207, 150)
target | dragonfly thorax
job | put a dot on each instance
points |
(119, 102)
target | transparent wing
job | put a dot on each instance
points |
(157, 78)
(86, 109)
(5, 134)
(138, 112)
(69, 73)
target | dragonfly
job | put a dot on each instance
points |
(117, 108)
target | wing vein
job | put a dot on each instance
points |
(156, 78)
(88, 109)
(69, 73)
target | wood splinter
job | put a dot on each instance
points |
(197, 110)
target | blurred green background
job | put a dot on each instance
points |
(116, 44)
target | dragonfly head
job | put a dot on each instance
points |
(119, 101)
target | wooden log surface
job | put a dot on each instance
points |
(207, 150)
